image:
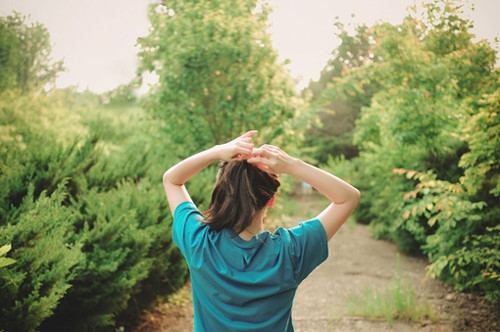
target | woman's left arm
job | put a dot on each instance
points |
(176, 176)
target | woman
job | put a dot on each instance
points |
(244, 278)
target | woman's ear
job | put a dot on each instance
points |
(271, 201)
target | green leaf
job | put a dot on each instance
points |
(6, 261)
(5, 249)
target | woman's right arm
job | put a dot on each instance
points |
(343, 196)
(176, 176)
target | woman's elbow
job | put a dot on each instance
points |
(171, 179)
(356, 196)
(166, 177)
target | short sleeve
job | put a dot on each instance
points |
(308, 246)
(187, 225)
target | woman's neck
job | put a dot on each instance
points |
(255, 227)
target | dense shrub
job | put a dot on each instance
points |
(45, 261)
(125, 238)
(428, 166)
(90, 230)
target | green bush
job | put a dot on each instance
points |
(462, 240)
(125, 235)
(463, 217)
(45, 260)
(90, 230)
(433, 117)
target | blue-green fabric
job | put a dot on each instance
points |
(243, 285)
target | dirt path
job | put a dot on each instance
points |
(356, 260)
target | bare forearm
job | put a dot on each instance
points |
(180, 173)
(343, 196)
(335, 189)
(175, 178)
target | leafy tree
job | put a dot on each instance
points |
(432, 118)
(338, 104)
(9, 57)
(25, 54)
(218, 72)
(124, 94)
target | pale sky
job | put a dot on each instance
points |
(96, 38)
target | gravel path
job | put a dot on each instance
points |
(357, 260)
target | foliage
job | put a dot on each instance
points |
(218, 74)
(90, 229)
(433, 116)
(25, 54)
(481, 163)
(338, 104)
(9, 53)
(5, 261)
(32, 288)
(124, 244)
(122, 95)
(463, 244)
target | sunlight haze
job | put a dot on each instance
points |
(97, 39)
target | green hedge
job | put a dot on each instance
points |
(85, 214)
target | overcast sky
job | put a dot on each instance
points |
(96, 38)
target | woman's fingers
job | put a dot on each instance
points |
(262, 151)
(244, 144)
(250, 133)
(240, 157)
(267, 157)
(244, 147)
(260, 162)
(267, 151)
(247, 140)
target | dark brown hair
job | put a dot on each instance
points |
(241, 190)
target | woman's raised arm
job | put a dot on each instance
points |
(343, 196)
(176, 176)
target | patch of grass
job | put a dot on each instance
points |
(397, 301)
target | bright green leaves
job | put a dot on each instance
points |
(433, 110)
(46, 258)
(482, 162)
(218, 72)
(5, 261)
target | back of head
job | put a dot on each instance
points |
(241, 191)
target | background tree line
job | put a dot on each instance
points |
(421, 100)
(412, 108)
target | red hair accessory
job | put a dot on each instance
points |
(271, 201)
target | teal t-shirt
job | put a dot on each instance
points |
(243, 285)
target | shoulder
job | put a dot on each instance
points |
(306, 231)
(307, 246)
(185, 210)
(312, 226)
(187, 223)
(310, 233)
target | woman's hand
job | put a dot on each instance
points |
(241, 147)
(272, 159)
